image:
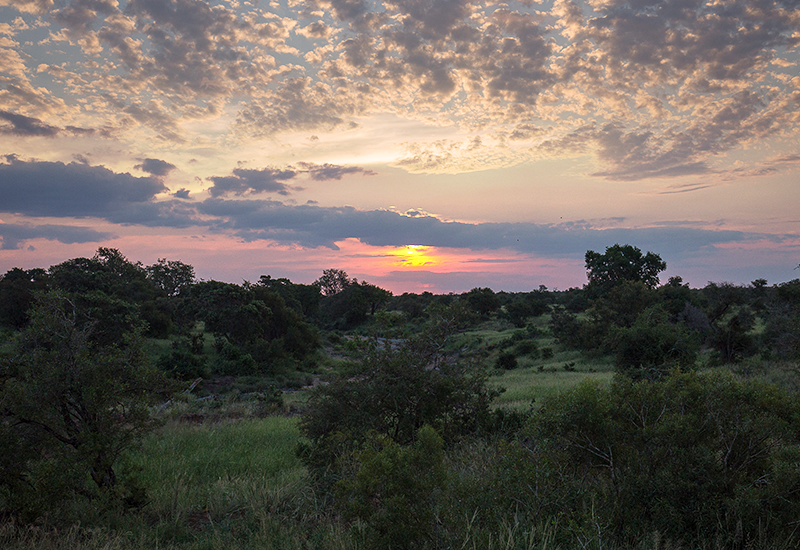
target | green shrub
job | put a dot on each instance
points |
(691, 456)
(71, 406)
(506, 361)
(653, 345)
(395, 490)
(527, 347)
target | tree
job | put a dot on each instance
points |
(254, 319)
(623, 263)
(483, 301)
(112, 274)
(170, 276)
(72, 406)
(17, 287)
(352, 305)
(333, 281)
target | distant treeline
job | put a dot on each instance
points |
(274, 323)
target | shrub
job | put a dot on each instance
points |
(395, 390)
(506, 361)
(652, 345)
(690, 456)
(395, 489)
(70, 406)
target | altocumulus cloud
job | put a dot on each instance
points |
(651, 89)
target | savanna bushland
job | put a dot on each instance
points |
(141, 408)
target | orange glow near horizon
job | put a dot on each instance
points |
(415, 256)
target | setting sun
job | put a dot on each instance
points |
(414, 255)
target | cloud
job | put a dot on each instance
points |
(245, 181)
(651, 90)
(273, 180)
(20, 125)
(325, 172)
(57, 190)
(72, 190)
(14, 235)
(28, 6)
(155, 167)
(314, 226)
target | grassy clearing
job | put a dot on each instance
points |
(214, 471)
(526, 387)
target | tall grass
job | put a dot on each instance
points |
(527, 386)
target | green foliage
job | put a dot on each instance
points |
(483, 301)
(17, 289)
(333, 281)
(185, 359)
(506, 361)
(576, 333)
(395, 490)
(397, 388)
(304, 299)
(72, 404)
(730, 336)
(254, 321)
(523, 306)
(172, 277)
(652, 345)
(352, 305)
(623, 263)
(691, 454)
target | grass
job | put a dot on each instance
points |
(526, 387)
(219, 473)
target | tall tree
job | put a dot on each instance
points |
(623, 263)
(170, 276)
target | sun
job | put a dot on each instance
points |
(414, 255)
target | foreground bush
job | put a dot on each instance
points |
(688, 457)
(70, 406)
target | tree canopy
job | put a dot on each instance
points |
(623, 263)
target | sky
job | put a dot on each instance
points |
(420, 145)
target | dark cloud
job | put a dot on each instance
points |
(71, 190)
(14, 235)
(79, 190)
(155, 167)
(242, 182)
(181, 194)
(313, 226)
(19, 125)
(273, 180)
(325, 172)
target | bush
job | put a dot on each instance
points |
(506, 361)
(690, 456)
(395, 390)
(395, 489)
(71, 406)
(652, 345)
